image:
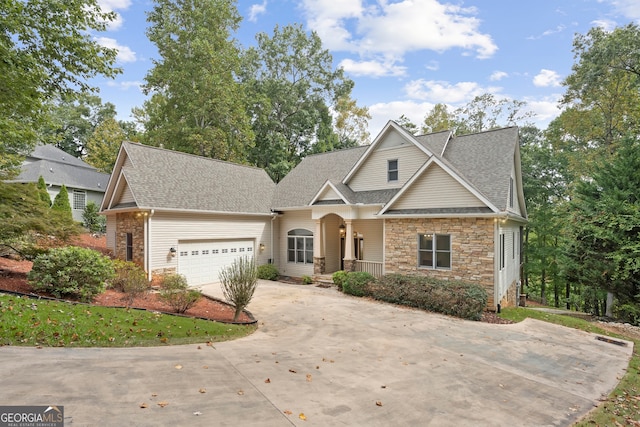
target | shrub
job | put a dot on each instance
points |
(61, 204)
(91, 220)
(356, 283)
(307, 280)
(339, 278)
(456, 298)
(71, 272)
(176, 293)
(130, 279)
(268, 272)
(238, 282)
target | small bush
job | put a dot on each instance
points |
(339, 278)
(176, 293)
(307, 280)
(71, 272)
(238, 282)
(455, 298)
(130, 279)
(268, 272)
(356, 283)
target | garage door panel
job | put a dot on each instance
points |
(201, 261)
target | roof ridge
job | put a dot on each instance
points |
(168, 150)
(340, 150)
(486, 131)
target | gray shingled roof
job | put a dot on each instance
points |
(301, 184)
(58, 168)
(164, 179)
(485, 160)
(434, 142)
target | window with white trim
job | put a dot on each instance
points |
(79, 199)
(300, 246)
(434, 251)
(392, 170)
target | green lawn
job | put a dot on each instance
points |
(30, 322)
(622, 407)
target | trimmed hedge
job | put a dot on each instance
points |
(338, 278)
(452, 297)
(356, 282)
(268, 272)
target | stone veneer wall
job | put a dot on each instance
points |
(472, 256)
(130, 222)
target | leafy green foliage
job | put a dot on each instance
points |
(307, 280)
(338, 278)
(268, 272)
(291, 82)
(238, 282)
(175, 292)
(43, 194)
(92, 221)
(130, 279)
(197, 105)
(103, 145)
(61, 204)
(357, 282)
(28, 322)
(71, 272)
(455, 298)
(47, 49)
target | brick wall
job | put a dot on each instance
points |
(130, 222)
(472, 256)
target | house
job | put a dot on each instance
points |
(84, 183)
(438, 204)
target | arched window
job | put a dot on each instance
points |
(300, 246)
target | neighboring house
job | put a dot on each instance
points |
(450, 207)
(84, 183)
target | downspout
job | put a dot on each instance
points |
(496, 262)
(148, 246)
(273, 217)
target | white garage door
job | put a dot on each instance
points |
(201, 261)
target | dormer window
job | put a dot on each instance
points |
(392, 170)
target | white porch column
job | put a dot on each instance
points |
(318, 240)
(348, 241)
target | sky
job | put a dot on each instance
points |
(404, 56)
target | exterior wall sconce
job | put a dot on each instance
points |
(343, 230)
(261, 247)
(172, 251)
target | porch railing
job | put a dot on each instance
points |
(372, 267)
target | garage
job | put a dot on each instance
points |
(201, 261)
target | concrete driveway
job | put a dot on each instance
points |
(325, 359)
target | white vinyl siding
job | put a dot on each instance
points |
(171, 228)
(513, 204)
(329, 194)
(371, 232)
(125, 196)
(435, 188)
(111, 232)
(372, 175)
(509, 233)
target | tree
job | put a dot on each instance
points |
(605, 225)
(197, 105)
(74, 118)
(486, 112)
(351, 122)
(291, 82)
(91, 219)
(43, 194)
(407, 124)
(61, 204)
(438, 119)
(47, 49)
(103, 145)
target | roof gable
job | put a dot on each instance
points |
(329, 193)
(170, 180)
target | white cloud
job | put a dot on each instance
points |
(393, 29)
(113, 6)
(546, 78)
(605, 24)
(381, 113)
(372, 68)
(545, 109)
(497, 76)
(125, 54)
(445, 92)
(126, 85)
(629, 8)
(257, 9)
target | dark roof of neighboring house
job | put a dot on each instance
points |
(165, 179)
(60, 168)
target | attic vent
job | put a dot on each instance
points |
(98, 184)
(51, 170)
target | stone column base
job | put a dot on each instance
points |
(319, 265)
(349, 264)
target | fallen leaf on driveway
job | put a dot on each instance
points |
(302, 417)
(309, 378)
(144, 405)
(197, 413)
(293, 371)
(378, 403)
(267, 381)
(288, 412)
(178, 366)
(240, 392)
(203, 390)
(163, 404)
(154, 394)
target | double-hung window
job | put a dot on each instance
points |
(392, 170)
(434, 251)
(300, 246)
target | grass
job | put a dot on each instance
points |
(29, 322)
(622, 407)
